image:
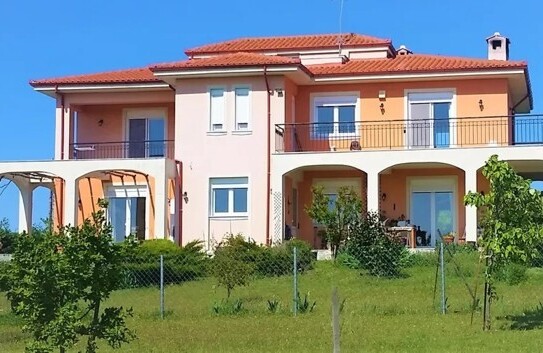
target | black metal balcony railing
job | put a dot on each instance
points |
(124, 149)
(402, 134)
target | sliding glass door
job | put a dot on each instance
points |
(429, 124)
(146, 137)
(433, 212)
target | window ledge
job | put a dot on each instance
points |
(242, 132)
(229, 218)
(216, 133)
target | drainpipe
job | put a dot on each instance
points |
(61, 201)
(179, 202)
(268, 156)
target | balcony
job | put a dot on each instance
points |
(124, 149)
(494, 131)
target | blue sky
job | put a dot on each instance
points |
(53, 38)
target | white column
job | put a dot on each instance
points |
(62, 128)
(277, 224)
(71, 202)
(161, 206)
(471, 211)
(373, 191)
(25, 207)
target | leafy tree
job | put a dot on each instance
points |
(336, 217)
(512, 223)
(233, 263)
(58, 282)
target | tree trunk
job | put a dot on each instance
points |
(91, 346)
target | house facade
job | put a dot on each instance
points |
(232, 139)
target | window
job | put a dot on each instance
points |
(146, 133)
(127, 212)
(429, 120)
(229, 197)
(334, 115)
(243, 108)
(216, 109)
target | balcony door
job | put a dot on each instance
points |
(429, 120)
(127, 211)
(146, 133)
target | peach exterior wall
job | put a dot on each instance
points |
(382, 132)
(114, 128)
(205, 156)
(306, 229)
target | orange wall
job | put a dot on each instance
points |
(383, 132)
(114, 122)
(395, 186)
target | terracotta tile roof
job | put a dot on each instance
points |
(288, 43)
(227, 60)
(414, 63)
(140, 75)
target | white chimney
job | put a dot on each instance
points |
(498, 47)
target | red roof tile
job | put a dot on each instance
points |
(227, 60)
(414, 63)
(288, 43)
(140, 75)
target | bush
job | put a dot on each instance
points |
(421, 259)
(7, 238)
(347, 260)
(270, 261)
(512, 274)
(181, 264)
(378, 252)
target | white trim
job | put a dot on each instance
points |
(408, 76)
(338, 98)
(124, 86)
(130, 191)
(441, 183)
(229, 71)
(442, 96)
(230, 214)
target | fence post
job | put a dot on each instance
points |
(442, 264)
(162, 286)
(295, 278)
(335, 320)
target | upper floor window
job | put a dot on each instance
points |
(334, 115)
(243, 109)
(146, 130)
(217, 109)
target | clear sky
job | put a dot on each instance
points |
(53, 38)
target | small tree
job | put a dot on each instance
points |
(58, 282)
(337, 218)
(232, 264)
(512, 223)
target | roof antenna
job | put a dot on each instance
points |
(340, 38)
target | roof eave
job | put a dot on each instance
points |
(52, 89)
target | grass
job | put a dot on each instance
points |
(380, 315)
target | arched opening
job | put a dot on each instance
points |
(138, 203)
(427, 197)
(27, 198)
(297, 195)
(530, 169)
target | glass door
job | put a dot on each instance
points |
(146, 137)
(432, 212)
(429, 123)
(127, 217)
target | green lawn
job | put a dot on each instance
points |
(380, 315)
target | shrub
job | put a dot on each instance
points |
(226, 307)
(378, 252)
(181, 264)
(231, 269)
(512, 274)
(420, 259)
(305, 305)
(347, 260)
(7, 238)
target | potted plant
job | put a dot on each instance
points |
(448, 238)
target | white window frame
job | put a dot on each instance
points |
(225, 110)
(434, 184)
(128, 191)
(336, 99)
(236, 129)
(433, 95)
(230, 187)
